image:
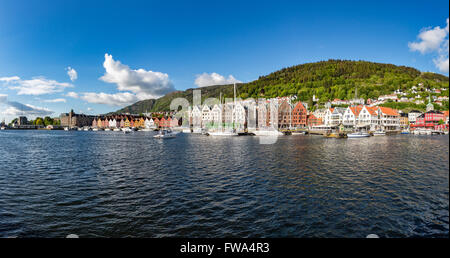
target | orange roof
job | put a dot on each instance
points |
(372, 110)
(356, 109)
(389, 111)
(331, 109)
(445, 113)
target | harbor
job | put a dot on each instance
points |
(82, 183)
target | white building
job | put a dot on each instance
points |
(320, 113)
(239, 115)
(149, 123)
(196, 117)
(334, 116)
(216, 115)
(112, 123)
(412, 116)
(206, 115)
(389, 119)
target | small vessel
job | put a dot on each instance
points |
(116, 130)
(165, 134)
(126, 130)
(335, 135)
(405, 132)
(298, 132)
(80, 129)
(95, 129)
(379, 133)
(2, 128)
(87, 129)
(358, 135)
(186, 130)
(107, 129)
(222, 133)
(265, 132)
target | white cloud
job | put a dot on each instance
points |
(55, 100)
(16, 108)
(206, 79)
(9, 79)
(35, 86)
(117, 99)
(72, 95)
(434, 40)
(73, 75)
(144, 84)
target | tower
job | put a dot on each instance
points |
(430, 105)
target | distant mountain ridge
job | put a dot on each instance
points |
(326, 80)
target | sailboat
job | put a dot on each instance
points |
(222, 131)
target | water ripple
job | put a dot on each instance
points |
(106, 184)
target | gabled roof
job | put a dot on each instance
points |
(356, 110)
(372, 110)
(389, 111)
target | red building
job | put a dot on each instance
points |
(312, 120)
(299, 115)
(157, 122)
(430, 120)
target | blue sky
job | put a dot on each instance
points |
(158, 46)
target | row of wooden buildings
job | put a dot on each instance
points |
(131, 121)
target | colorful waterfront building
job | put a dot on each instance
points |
(312, 120)
(127, 122)
(156, 122)
(299, 115)
(99, 123)
(105, 123)
(284, 115)
(431, 120)
(162, 122)
(404, 122)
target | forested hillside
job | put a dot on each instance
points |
(326, 80)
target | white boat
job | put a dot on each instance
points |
(358, 135)
(95, 129)
(186, 130)
(107, 129)
(298, 133)
(80, 128)
(126, 130)
(165, 134)
(197, 130)
(87, 129)
(222, 133)
(116, 130)
(267, 133)
(379, 133)
(2, 128)
(146, 130)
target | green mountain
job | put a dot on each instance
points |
(326, 80)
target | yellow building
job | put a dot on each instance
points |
(404, 122)
(127, 122)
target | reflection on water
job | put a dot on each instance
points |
(108, 184)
